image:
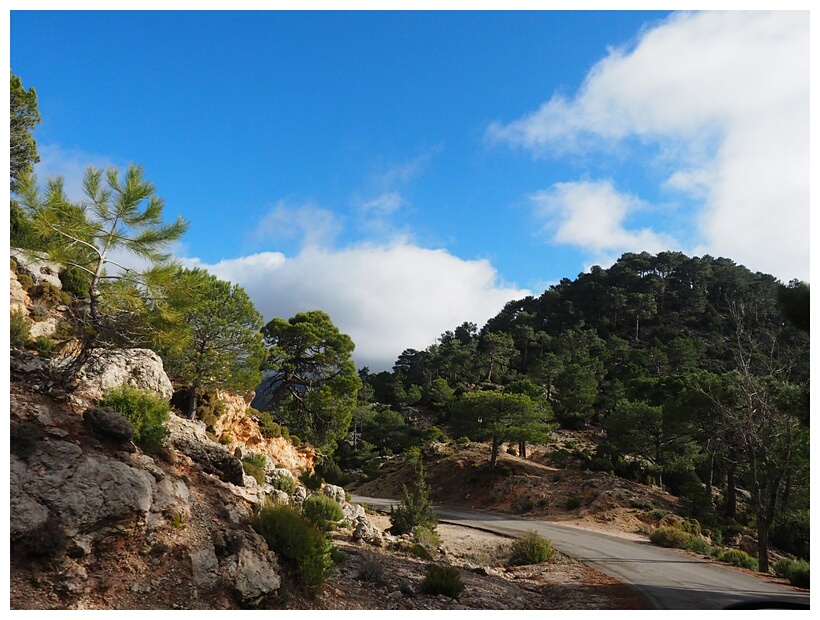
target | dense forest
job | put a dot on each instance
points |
(695, 368)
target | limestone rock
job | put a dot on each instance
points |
(37, 266)
(18, 297)
(254, 570)
(365, 531)
(83, 491)
(105, 422)
(337, 494)
(109, 368)
(184, 435)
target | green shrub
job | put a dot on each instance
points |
(267, 426)
(668, 536)
(573, 502)
(372, 571)
(254, 466)
(210, 408)
(285, 483)
(532, 548)
(426, 536)
(434, 433)
(796, 571)
(412, 454)
(75, 282)
(145, 410)
(415, 508)
(311, 480)
(444, 580)
(226, 439)
(25, 281)
(44, 345)
(20, 332)
(330, 471)
(301, 545)
(294, 439)
(461, 441)
(322, 511)
(46, 293)
(737, 557)
(659, 513)
(696, 544)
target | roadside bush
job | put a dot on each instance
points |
(739, 558)
(444, 580)
(145, 410)
(696, 544)
(322, 511)
(532, 548)
(254, 466)
(20, 332)
(423, 535)
(667, 536)
(301, 545)
(796, 571)
(415, 508)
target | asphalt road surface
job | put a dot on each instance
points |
(665, 578)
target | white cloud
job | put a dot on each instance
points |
(71, 164)
(306, 223)
(386, 297)
(726, 98)
(384, 204)
(591, 215)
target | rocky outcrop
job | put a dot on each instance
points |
(189, 437)
(19, 301)
(237, 422)
(109, 368)
(37, 266)
(107, 423)
(337, 494)
(83, 492)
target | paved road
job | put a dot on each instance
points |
(665, 578)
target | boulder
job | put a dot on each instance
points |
(365, 531)
(337, 494)
(109, 368)
(107, 423)
(84, 492)
(37, 266)
(253, 570)
(213, 458)
(19, 299)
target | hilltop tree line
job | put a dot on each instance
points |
(696, 368)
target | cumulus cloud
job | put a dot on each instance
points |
(724, 97)
(386, 297)
(591, 215)
(305, 223)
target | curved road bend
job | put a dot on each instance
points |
(666, 579)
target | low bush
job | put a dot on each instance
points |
(696, 544)
(532, 548)
(254, 466)
(668, 536)
(311, 480)
(283, 482)
(444, 580)
(415, 508)
(426, 536)
(145, 410)
(20, 332)
(796, 571)
(739, 558)
(573, 502)
(267, 426)
(44, 345)
(322, 511)
(372, 571)
(301, 545)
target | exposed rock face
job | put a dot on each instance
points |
(236, 422)
(84, 491)
(37, 266)
(189, 438)
(105, 422)
(109, 368)
(19, 299)
(365, 531)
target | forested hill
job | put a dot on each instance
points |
(599, 338)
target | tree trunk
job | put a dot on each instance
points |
(522, 449)
(193, 401)
(731, 491)
(494, 453)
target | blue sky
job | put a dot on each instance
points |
(410, 171)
